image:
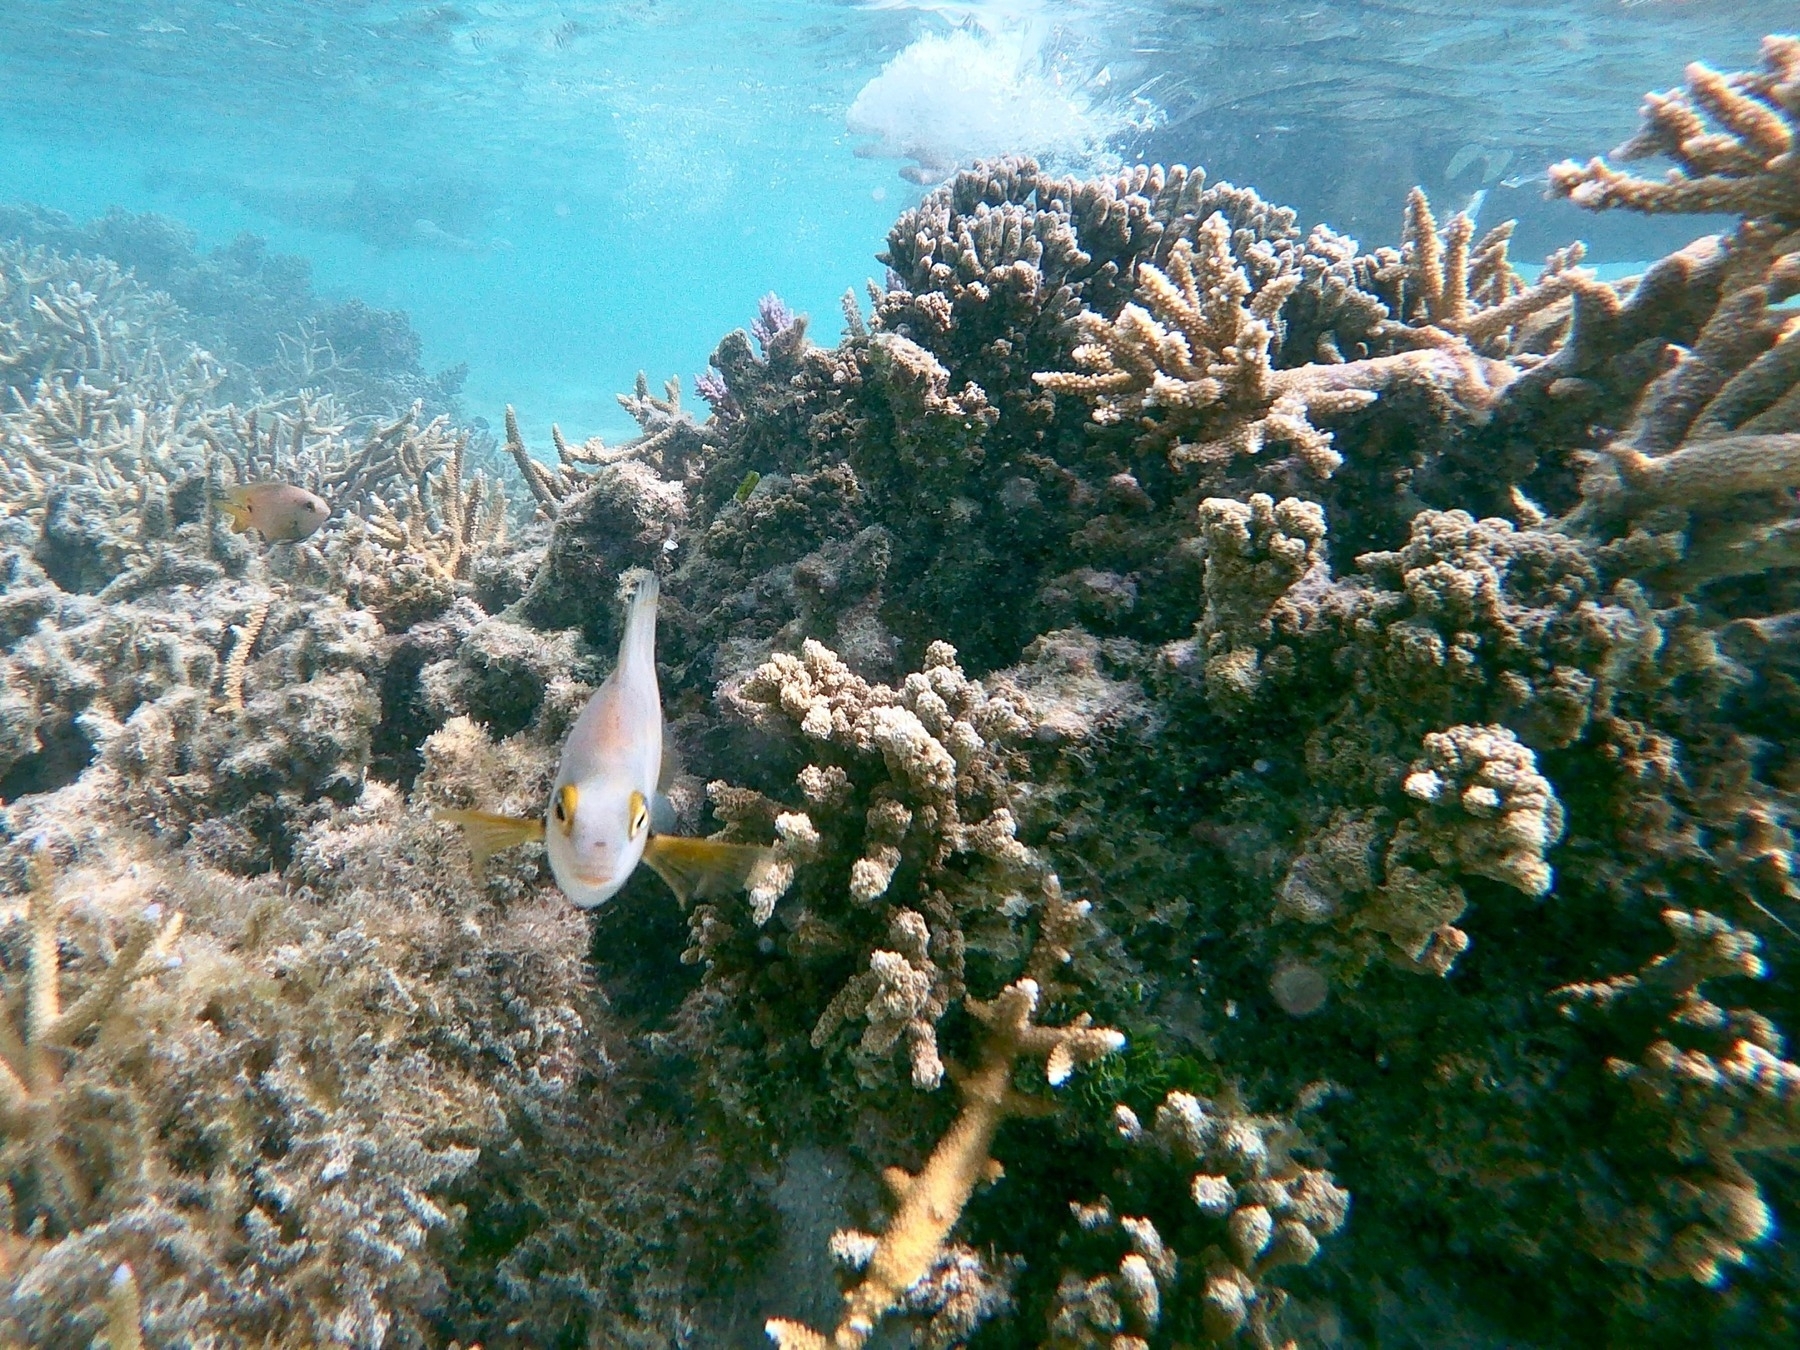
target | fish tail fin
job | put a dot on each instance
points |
(697, 869)
(235, 507)
(639, 642)
(488, 832)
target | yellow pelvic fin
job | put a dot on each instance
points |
(697, 869)
(487, 832)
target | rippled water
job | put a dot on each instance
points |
(560, 193)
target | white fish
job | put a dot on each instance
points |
(597, 824)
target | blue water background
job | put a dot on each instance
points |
(560, 194)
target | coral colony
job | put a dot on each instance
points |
(1278, 763)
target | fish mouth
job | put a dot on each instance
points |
(591, 880)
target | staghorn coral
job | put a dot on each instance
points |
(552, 487)
(243, 643)
(1746, 167)
(51, 1182)
(301, 440)
(1453, 282)
(1191, 367)
(930, 1203)
(262, 1133)
(255, 310)
(448, 521)
(102, 401)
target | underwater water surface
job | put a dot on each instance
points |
(561, 194)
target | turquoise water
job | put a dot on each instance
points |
(560, 194)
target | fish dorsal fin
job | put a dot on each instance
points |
(698, 869)
(487, 832)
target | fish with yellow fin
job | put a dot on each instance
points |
(597, 824)
(280, 512)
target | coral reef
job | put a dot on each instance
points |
(256, 310)
(1330, 712)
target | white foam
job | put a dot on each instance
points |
(977, 92)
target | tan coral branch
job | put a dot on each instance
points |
(1749, 167)
(1711, 471)
(244, 636)
(932, 1202)
(1192, 365)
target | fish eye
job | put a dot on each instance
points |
(640, 815)
(562, 808)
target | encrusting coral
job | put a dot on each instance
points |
(1340, 700)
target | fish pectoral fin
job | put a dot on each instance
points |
(663, 817)
(487, 832)
(697, 869)
(236, 511)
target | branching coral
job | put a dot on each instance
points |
(930, 1203)
(1256, 552)
(1485, 659)
(902, 994)
(448, 520)
(48, 1157)
(575, 464)
(243, 643)
(1747, 167)
(1191, 366)
(301, 440)
(1451, 281)
(935, 824)
(101, 399)
(268, 1132)
(1706, 459)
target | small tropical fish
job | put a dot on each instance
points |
(277, 511)
(597, 825)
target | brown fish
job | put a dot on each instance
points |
(277, 511)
